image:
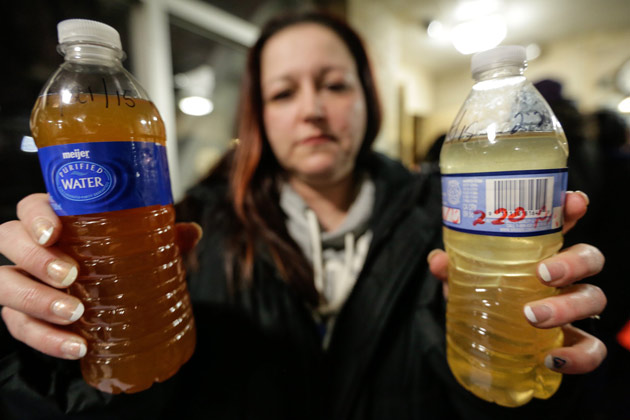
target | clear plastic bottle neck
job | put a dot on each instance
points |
(500, 71)
(499, 77)
(91, 53)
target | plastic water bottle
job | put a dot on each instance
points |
(102, 151)
(504, 178)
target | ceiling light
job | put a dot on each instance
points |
(473, 9)
(195, 87)
(436, 30)
(532, 52)
(479, 34)
(196, 105)
(624, 105)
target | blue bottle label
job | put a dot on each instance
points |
(513, 203)
(84, 178)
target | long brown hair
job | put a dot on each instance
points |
(255, 171)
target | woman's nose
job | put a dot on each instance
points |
(312, 106)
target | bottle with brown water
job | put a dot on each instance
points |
(101, 144)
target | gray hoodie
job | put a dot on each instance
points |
(337, 256)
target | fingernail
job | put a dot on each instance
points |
(199, 232)
(543, 272)
(43, 230)
(62, 272)
(583, 194)
(198, 228)
(68, 309)
(555, 362)
(551, 271)
(432, 254)
(537, 313)
(73, 348)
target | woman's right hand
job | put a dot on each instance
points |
(34, 306)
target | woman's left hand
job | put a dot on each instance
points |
(582, 352)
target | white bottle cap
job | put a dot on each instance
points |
(498, 57)
(72, 30)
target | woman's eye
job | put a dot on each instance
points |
(337, 87)
(285, 94)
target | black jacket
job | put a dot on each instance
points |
(259, 352)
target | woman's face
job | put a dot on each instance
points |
(314, 108)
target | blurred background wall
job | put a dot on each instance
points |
(182, 48)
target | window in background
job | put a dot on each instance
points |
(207, 74)
(207, 71)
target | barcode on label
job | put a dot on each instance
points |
(532, 194)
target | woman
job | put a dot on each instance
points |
(312, 294)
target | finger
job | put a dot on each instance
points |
(42, 223)
(438, 265)
(583, 352)
(570, 265)
(575, 302)
(42, 336)
(47, 264)
(23, 294)
(188, 235)
(575, 206)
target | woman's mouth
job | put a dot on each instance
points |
(317, 139)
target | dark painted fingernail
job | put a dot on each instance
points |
(555, 362)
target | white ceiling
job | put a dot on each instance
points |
(528, 21)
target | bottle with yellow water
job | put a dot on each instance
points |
(503, 187)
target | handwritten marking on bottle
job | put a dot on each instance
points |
(78, 95)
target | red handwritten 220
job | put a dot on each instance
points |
(519, 214)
